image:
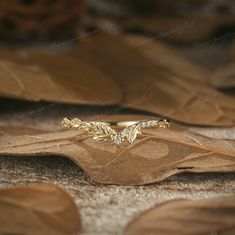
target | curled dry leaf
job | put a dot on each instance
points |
(38, 210)
(210, 216)
(157, 89)
(56, 78)
(154, 156)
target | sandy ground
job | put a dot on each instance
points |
(106, 209)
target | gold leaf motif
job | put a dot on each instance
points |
(132, 131)
(97, 130)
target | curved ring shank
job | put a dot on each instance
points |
(122, 124)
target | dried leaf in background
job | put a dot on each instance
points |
(39, 19)
(210, 216)
(38, 209)
(154, 88)
(156, 155)
(19, 129)
(59, 79)
(188, 29)
(165, 57)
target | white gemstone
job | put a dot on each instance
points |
(145, 124)
(118, 140)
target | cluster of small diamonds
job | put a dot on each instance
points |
(149, 123)
(118, 139)
(152, 123)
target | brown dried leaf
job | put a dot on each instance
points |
(215, 132)
(10, 55)
(156, 155)
(183, 29)
(57, 79)
(38, 209)
(224, 77)
(19, 129)
(165, 57)
(157, 89)
(210, 216)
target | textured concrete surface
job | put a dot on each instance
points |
(106, 209)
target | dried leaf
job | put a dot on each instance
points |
(38, 209)
(154, 156)
(183, 29)
(10, 55)
(58, 79)
(19, 129)
(210, 216)
(224, 77)
(156, 89)
(215, 132)
(165, 57)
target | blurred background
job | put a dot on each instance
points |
(32, 19)
(198, 25)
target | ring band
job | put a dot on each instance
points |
(104, 131)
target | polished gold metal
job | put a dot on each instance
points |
(103, 131)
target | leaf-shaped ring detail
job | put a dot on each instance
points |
(103, 131)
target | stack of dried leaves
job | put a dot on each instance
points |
(115, 74)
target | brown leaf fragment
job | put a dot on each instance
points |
(10, 55)
(155, 155)
(167, 58)
(179, 28)
(19, 129)
(215, 132)
(224, 77)
(91, 85)
(38, 209)
(182, 217)
(59, 79)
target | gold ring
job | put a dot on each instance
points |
(103, 131)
